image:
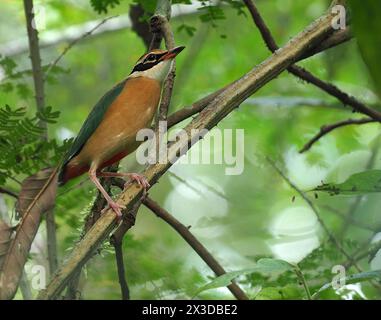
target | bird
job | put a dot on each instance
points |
(109, 132)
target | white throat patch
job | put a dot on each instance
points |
(158, 72)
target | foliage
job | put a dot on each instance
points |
(264, 265)
(354, 278)
(101, 6)
(358, 183)
(366, 26)
(22, 151)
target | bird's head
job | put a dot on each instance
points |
(155, 64)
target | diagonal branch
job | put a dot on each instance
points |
(330, 235)
(302, 73)
(216, 111)
(8, 192)
(324, 130)
(194, 243)
(186, 112)
(74, 42)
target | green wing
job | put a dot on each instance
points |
(90, 125)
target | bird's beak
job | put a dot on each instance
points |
(172, 53)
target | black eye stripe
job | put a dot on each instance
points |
(149, 61)
(143, 66)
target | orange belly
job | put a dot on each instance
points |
(115, 136)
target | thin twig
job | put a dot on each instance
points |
(302, 73)
(370, 253)
(8, 192)
(359, 252)
(116, 240)
(317, 214)
(118, 247)
(196, 107)
(302, 279)
(186, 112)
(196, 190)
(352, 220)
(51, 241)
(324, 130)
(74, 42)
(184, 232)
(356, 204)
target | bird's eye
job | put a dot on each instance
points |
(150, 57)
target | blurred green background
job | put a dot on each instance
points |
(238, 218)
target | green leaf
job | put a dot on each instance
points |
(103, 5)
(265, 265)
(211, 13)
(354, 278)
(280, 293)
(367, 25)
(23, 90)
(188, 29)
(8, 65)
(358, 183)
(47, 115)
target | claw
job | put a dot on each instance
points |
(140, 179)
(116, 208)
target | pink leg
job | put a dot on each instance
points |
(112, 204)
(139, 178)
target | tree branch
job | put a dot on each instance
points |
(118, 247)
(161, 29)
(218, 108)
(337, 38)
(194, 243)
(116, 240)
(324, 130)
(51, 237)
(38, 80)
(34, 55)
(141, 28)
(302, 73)
(8, 192)
(186, 112)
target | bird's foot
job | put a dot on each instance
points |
(116, 208)
(140, 179)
